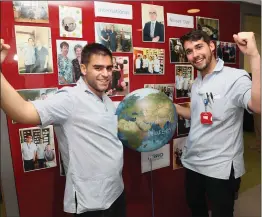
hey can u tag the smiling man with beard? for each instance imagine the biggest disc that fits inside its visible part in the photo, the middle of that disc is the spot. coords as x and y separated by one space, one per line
213 154
86 129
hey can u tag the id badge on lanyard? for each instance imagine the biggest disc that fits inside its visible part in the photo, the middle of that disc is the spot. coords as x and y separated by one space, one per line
206 117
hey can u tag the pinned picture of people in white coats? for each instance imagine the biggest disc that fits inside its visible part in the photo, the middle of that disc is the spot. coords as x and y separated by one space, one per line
184 75
149 61
37 148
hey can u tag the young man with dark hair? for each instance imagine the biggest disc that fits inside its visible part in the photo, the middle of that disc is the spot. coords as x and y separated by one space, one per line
213 154
86 128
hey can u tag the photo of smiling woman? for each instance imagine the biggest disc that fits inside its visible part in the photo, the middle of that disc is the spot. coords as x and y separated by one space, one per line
68 60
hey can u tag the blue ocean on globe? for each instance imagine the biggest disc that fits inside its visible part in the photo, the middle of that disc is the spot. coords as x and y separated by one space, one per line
147 120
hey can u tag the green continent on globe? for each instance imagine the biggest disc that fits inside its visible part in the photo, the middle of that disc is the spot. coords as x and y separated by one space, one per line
154 108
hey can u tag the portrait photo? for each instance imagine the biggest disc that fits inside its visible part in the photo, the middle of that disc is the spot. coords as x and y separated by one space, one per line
116 37
37 148
226 51
184 76
70 22
119 86
178 145
149 61
31 11
183 125
153 23
176 51
208 25
69 60
34 49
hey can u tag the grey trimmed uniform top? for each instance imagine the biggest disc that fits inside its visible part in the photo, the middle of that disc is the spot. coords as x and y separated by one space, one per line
86 129
212 149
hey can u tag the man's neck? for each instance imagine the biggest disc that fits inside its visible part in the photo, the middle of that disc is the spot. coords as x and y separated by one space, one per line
210 68
97 93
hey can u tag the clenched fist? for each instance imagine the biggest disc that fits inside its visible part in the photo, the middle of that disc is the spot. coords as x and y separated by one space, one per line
247 43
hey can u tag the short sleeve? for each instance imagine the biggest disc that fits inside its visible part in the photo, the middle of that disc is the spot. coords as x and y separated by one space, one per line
241 92
56 109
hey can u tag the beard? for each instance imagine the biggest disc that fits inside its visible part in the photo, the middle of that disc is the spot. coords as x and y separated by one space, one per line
207 59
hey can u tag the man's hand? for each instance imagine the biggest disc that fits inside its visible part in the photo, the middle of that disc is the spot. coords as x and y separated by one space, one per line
4 50
156 39
247 43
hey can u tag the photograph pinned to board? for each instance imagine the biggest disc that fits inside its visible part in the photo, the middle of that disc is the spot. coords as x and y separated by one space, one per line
178 145
184 77
149 86
176 51
37 148
116 37
226 51
68 60
167 89
153 23
183 125
36 94
119 85
70 22
209 25
34 50
31 11
149 61
160 158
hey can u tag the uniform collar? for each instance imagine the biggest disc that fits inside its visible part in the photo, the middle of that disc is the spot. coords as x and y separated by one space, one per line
82 84
218 68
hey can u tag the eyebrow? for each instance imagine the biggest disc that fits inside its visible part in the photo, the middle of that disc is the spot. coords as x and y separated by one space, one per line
194 46
102 66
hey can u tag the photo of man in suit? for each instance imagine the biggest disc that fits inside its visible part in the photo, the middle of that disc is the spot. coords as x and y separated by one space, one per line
153 30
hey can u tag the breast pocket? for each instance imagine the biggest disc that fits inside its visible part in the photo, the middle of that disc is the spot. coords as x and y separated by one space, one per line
108 123
219 108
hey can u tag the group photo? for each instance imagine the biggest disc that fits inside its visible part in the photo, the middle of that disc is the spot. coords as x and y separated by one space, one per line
184 76
37 148
116 37
34 49
149 61
31 11
226 51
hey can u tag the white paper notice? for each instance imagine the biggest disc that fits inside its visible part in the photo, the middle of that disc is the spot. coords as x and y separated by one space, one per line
106 9
178 20
160 158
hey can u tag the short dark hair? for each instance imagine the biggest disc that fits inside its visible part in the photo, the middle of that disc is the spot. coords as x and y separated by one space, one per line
64 44
195 35
94 48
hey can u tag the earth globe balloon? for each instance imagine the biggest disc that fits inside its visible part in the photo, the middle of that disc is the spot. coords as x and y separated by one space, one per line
147 120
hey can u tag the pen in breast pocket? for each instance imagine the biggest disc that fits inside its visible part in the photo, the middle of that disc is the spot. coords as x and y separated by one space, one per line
212 96
208 97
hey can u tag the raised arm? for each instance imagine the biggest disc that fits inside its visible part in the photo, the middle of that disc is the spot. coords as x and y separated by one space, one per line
247 44
183 111
12 103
